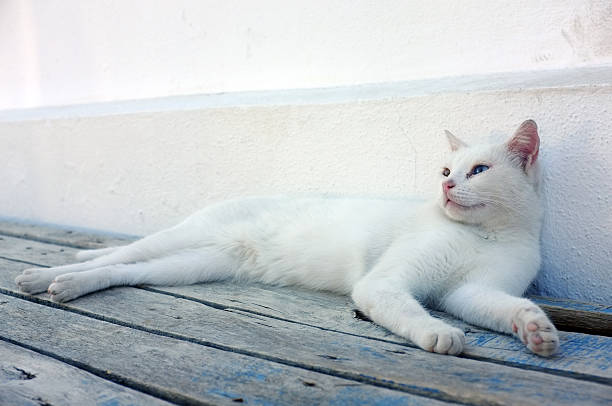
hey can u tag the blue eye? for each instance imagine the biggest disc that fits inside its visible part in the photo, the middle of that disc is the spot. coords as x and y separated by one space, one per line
479 168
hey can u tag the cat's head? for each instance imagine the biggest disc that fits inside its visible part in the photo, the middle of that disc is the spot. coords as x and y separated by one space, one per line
492 184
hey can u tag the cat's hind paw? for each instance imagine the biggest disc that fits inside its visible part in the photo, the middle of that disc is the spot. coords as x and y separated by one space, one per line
536 331
437 336
34 280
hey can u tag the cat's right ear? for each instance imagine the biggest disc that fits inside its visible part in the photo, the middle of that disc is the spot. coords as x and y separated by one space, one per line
454 142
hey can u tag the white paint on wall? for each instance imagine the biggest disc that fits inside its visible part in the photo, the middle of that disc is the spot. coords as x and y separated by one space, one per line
137 173
585 76
138 166
58 52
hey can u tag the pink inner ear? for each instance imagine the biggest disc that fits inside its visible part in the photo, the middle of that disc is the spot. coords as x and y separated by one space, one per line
526 143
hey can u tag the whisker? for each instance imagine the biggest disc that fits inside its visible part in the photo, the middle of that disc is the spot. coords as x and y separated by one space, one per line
490 198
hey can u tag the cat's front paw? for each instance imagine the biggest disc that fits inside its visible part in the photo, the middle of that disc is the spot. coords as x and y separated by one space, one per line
64 288
535 330
436 336
34 280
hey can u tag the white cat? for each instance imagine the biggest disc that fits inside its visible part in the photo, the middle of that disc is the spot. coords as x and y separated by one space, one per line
471 253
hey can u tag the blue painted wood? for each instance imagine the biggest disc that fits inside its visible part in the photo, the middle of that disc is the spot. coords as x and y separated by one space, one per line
333 312
572 304
339 354
177 370
28 378
164 355
577 316
580 355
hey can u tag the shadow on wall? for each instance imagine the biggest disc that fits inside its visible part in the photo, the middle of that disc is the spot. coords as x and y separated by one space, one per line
577 215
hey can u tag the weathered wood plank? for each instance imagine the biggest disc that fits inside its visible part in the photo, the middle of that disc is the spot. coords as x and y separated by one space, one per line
579 353
178 370
578 316
75 237
28 378
572 304
404 368
34 252
69 236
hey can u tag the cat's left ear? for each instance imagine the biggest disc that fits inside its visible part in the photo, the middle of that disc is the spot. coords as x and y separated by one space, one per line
525 144
454 142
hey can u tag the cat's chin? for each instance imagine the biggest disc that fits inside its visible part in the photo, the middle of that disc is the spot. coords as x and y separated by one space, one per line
452 205
458 211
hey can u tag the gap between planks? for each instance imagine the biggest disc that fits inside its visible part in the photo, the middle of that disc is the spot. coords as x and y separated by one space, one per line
438 391
423 393
598 321
113 320
172 375
576 375
172 397
30 378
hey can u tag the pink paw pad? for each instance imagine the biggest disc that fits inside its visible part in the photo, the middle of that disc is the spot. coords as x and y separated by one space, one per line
535 331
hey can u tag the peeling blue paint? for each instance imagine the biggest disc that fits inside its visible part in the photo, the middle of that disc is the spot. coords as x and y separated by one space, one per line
372 352
359 395
482 339
110 402
256 371
225 394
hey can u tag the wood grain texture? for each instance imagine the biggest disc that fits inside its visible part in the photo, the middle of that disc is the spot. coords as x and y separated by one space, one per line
567 314
583 354
353 357
580 353
572 304
261 308
578 316
177 370
28 378
72 237
34 252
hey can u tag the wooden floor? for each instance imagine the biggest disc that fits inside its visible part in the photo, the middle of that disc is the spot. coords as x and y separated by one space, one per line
227 344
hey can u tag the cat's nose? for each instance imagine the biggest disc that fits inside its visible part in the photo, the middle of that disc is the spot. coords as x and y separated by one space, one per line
449 184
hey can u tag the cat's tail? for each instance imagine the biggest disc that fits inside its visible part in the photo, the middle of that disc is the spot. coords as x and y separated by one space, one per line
86 255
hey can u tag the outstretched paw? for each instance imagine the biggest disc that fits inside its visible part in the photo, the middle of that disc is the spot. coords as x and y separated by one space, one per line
437 336
64 288
34 280
535 330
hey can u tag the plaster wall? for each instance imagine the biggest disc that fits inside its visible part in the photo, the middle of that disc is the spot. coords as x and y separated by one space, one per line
139 172
412 69
59 52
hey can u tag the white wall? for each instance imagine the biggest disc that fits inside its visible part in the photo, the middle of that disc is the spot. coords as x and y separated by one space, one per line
140 166
57 52
138 173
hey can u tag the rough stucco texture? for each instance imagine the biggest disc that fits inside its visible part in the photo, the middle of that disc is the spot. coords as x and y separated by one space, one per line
139 173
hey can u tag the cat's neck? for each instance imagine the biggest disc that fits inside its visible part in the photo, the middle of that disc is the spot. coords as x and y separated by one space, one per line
515 225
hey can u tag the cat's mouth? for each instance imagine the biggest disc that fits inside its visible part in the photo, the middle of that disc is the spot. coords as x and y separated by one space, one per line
451 203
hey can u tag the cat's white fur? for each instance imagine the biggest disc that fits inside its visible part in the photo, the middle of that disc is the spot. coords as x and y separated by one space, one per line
472 253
